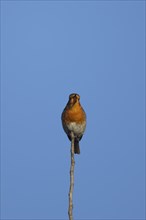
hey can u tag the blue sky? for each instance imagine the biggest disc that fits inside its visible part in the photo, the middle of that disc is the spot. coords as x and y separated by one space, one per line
50 49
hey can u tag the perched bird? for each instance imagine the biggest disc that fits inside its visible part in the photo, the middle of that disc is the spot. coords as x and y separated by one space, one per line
74 120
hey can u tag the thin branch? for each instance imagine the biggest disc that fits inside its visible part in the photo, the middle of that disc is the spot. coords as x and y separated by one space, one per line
70 208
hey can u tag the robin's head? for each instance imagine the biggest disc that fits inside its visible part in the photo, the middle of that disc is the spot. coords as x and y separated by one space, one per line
73 98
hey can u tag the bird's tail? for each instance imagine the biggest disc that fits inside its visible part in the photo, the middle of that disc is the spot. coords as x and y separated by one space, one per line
76 147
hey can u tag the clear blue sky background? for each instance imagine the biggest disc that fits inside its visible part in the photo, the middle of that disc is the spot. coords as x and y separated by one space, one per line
50 49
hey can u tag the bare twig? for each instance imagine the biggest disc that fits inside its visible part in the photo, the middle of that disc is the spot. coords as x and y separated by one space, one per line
70 208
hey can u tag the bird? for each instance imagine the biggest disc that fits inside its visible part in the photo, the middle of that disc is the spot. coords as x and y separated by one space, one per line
74 120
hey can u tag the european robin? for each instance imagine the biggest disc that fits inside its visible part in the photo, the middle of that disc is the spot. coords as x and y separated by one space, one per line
74 120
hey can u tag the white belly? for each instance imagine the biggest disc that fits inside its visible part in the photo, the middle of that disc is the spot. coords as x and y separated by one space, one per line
78 129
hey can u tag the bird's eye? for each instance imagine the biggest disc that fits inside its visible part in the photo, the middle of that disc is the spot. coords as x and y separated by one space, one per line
72 96
78 97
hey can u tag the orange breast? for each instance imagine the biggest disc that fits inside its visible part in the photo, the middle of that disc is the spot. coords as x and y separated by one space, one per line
75 114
